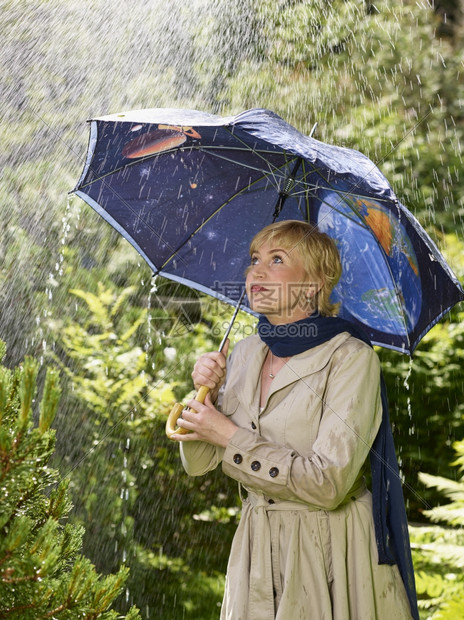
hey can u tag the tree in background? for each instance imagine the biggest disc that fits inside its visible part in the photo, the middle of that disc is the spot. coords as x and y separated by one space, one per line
376 76
42 571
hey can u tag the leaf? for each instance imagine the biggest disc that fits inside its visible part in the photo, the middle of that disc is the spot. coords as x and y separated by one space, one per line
452 513
96 306
121 299
451 488
131 331
451 609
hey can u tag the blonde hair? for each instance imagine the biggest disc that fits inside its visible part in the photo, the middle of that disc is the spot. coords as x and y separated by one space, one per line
318 252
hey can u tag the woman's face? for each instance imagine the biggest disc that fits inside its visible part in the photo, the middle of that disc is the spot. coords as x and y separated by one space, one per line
277 284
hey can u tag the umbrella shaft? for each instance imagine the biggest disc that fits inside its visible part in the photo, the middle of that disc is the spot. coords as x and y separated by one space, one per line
232 320
284 194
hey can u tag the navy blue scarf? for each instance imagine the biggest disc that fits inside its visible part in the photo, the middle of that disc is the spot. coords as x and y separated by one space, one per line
390 521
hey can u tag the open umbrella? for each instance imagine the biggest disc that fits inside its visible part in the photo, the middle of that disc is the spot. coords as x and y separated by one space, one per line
189 190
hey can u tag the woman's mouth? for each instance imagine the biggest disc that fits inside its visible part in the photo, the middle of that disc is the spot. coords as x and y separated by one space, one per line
257 288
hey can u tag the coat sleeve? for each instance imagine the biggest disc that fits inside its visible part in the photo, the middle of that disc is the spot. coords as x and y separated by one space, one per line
352 412
199 457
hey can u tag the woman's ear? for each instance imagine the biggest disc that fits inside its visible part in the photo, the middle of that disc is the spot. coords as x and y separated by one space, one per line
313 289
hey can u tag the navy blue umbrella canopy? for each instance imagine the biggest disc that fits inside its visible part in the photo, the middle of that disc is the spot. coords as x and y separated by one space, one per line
189 190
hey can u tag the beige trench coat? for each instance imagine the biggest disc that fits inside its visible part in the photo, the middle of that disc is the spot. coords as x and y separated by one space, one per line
305 546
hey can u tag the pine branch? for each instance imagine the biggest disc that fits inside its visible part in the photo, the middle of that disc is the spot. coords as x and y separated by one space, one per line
14 580
41 573
57 610
50 398
14 610
27 387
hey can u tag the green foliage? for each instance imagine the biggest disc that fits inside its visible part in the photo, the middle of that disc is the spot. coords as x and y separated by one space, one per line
119 402
42 572
108 370
452 513
439 552
126 366
437 556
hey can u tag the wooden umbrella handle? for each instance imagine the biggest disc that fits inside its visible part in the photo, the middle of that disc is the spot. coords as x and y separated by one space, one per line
176 412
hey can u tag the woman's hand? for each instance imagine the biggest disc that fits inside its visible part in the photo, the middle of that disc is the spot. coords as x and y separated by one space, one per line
205 423
210 370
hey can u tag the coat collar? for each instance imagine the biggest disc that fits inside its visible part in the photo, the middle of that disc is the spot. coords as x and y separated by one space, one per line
253 354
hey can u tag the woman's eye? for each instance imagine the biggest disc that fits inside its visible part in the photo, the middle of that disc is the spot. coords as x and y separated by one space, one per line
275 259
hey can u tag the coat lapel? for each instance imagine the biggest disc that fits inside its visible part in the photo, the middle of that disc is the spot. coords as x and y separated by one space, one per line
248 386
298 367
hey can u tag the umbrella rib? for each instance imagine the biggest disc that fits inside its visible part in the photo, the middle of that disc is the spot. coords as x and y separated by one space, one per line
316 170
258 151
294 155
335 191
360 223
285 192
342 195
275 168
272 168
213 151
306 195
200 148
301 180
292 158
215 212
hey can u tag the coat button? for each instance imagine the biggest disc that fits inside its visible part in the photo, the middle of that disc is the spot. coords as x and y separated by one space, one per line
270 501
255 465
238 459
273 472
253 426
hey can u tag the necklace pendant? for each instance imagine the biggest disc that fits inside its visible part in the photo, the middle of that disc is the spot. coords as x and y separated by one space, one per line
271 374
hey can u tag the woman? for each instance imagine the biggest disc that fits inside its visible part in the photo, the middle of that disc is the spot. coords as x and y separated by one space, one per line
294 424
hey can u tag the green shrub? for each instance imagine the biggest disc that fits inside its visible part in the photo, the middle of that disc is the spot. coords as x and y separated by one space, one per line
42 571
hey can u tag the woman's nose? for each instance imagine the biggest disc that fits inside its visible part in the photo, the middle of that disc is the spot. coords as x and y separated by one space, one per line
258 270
